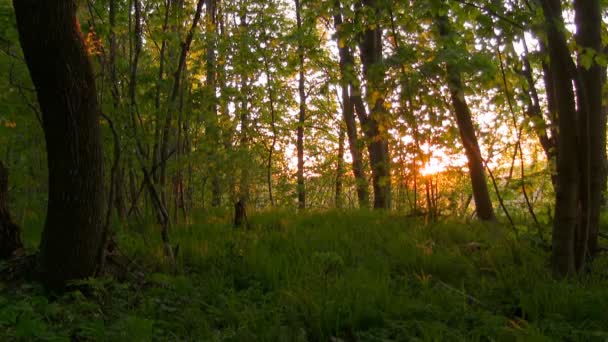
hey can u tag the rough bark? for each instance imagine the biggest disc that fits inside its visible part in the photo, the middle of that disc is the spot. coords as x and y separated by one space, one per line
56 56
10 233
481 194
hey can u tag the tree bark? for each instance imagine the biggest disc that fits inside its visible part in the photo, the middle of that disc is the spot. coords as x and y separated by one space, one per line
10 233
56 56
592 127
375 124
348 111
211 81
567 192
481 194
339 169
302 113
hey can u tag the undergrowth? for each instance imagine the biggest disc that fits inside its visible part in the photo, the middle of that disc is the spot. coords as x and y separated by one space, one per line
321 276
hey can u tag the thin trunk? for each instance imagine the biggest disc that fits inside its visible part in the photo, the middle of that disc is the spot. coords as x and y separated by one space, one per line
117 183
339 169
534 111
302 113
244 140
177 77
158 91
481 194
269 88
211 81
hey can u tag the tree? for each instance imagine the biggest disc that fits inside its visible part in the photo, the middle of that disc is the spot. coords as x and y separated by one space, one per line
302 109
10 233
374 123
581 145
348 82
60 69
481 194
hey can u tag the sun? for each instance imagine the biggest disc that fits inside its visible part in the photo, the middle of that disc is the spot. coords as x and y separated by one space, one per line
433 166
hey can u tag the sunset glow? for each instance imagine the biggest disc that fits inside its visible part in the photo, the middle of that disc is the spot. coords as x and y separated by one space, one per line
434 166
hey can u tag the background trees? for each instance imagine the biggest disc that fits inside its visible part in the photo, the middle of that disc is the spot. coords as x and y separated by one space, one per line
433 108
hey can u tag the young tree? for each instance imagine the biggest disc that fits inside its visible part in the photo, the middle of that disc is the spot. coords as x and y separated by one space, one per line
60 69
302 109
481 194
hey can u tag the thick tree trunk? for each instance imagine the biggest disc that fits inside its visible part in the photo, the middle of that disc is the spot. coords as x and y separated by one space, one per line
10 233
61 71
567 192
481 194
592 128
375 123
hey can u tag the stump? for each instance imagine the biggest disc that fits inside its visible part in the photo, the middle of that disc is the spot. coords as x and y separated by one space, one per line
10 233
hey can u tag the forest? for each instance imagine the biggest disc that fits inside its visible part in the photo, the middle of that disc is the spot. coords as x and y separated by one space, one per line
303 170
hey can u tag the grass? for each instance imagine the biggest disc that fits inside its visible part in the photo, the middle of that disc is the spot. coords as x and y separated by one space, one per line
323 276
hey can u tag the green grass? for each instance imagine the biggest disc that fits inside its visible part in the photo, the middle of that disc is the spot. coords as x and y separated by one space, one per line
353 275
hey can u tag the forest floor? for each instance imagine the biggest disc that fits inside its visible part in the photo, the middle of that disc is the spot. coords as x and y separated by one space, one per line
321 276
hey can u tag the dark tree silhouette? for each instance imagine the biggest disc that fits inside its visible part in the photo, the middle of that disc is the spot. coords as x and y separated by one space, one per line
60 69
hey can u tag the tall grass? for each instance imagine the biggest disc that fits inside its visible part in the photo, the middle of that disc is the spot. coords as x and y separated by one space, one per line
341 275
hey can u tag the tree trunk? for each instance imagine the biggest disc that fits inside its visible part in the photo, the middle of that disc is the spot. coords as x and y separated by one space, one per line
271 103
339 169
534 112
348 111
567 192
302 113
481 194
592 128
10 233
62 74
244 138
173 98
158 90
211 81
375 124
